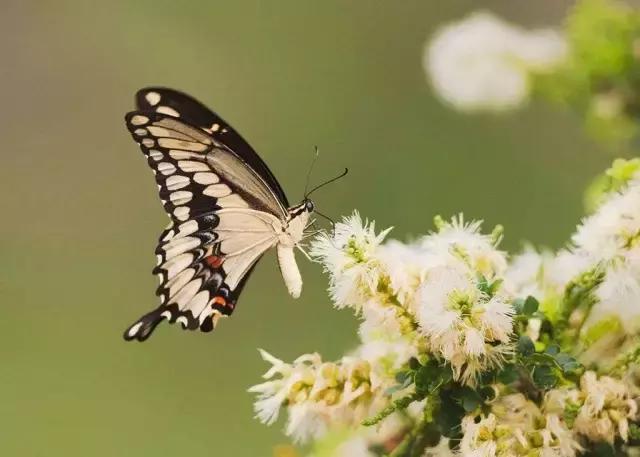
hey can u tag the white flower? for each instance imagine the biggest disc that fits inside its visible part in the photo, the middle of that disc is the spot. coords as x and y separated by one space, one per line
603 407
606 409
405 266
272 394
349 257
524 274
564 267
459 241
317 394
482 62
619 294
614 229
463 325
516 426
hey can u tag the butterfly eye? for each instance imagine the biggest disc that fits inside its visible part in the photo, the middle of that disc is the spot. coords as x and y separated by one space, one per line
310 206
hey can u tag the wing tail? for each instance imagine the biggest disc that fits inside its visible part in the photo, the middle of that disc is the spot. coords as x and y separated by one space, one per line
143 328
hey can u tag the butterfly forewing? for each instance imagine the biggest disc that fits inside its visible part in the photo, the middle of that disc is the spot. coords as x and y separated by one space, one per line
191 111
224 216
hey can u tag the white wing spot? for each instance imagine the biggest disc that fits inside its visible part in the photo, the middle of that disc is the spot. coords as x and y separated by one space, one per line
177 154
181 197
191 166
155 154
166 168
187 228
176 182
167 110
217 190
133 330
139 120
153 98
181 212
140 132
205 178
148 142
215 127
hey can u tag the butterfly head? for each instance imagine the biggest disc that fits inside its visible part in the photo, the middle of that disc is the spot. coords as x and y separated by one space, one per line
297 222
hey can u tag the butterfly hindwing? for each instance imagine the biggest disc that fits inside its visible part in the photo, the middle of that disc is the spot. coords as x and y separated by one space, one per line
222 221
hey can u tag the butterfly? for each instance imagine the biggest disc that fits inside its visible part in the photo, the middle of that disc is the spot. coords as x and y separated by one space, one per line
226 209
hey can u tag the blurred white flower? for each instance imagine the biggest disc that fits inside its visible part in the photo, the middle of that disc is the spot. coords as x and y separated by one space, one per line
614 228
484 63
464 326
618 295
524 276
611 239
349 258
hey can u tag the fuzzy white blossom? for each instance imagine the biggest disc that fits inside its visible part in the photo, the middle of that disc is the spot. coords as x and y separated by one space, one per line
516 426
484 63
457 241
601 407
462 324
317 394
437 313
349 258
611 239
614 228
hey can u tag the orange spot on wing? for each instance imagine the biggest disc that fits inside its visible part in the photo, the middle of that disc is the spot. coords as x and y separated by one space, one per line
214 261
218 300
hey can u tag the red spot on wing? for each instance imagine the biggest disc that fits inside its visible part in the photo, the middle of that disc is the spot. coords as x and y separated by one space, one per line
214 261
218 300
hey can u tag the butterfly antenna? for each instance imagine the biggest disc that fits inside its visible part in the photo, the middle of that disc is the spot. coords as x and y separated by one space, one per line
313 162
341 175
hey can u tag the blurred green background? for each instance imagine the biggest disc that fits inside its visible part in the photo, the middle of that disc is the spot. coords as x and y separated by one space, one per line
81 215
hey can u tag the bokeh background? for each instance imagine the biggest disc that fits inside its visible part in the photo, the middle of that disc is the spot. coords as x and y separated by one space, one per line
80 215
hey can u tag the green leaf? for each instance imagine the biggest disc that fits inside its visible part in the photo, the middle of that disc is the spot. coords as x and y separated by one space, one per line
601 450
426 377
508 374
449 415
567 363
553 349
541 357
470 400
544 377
530 306
414 363
525 346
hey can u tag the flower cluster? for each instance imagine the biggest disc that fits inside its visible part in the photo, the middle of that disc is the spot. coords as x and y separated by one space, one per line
318 394
465 351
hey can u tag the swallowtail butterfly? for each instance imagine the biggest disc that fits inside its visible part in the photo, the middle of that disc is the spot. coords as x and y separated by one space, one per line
226 210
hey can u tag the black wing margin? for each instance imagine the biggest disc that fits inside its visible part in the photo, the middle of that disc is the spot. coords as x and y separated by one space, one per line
178 104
